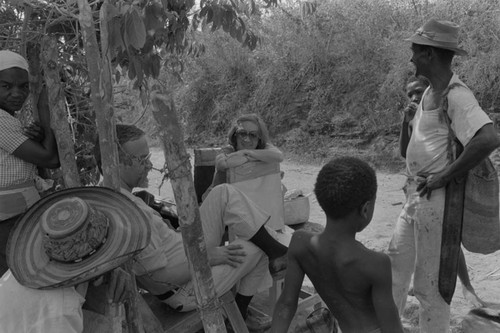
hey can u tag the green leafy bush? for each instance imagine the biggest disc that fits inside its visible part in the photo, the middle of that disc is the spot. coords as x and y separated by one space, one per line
333 67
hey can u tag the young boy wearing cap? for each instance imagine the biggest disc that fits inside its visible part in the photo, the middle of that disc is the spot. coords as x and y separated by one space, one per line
61 243
21 150
353 281
416 243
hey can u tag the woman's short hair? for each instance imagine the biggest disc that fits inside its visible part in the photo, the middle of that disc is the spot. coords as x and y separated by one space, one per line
257 120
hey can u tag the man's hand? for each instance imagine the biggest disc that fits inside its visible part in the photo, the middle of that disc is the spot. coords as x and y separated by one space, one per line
34 132
429 182
409 112
231 255
119 284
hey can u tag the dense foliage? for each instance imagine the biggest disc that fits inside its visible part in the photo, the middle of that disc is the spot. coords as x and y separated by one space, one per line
331 76
327 76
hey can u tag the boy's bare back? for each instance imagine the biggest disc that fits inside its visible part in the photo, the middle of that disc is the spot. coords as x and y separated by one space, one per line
344 273
354 282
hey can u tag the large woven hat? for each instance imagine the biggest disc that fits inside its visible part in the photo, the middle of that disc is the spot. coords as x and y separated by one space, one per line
440 34
74 235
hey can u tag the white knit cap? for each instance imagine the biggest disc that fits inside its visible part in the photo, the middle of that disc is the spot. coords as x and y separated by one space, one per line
9 59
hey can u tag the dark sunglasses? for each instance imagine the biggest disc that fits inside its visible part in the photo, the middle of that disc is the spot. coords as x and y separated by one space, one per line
241 133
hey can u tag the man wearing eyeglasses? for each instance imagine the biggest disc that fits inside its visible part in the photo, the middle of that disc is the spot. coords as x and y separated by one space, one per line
162 268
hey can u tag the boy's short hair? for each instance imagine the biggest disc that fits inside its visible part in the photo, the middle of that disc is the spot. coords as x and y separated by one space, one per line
343 185
124 134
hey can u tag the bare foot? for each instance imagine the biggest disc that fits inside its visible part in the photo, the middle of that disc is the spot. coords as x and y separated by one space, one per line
471 297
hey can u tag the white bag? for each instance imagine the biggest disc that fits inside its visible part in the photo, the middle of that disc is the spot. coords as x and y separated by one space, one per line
297 207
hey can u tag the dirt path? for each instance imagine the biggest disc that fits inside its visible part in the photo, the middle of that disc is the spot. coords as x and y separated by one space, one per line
484 270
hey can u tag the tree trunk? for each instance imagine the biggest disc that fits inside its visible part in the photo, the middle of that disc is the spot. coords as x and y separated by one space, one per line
31 51
179 169
59 115
101 96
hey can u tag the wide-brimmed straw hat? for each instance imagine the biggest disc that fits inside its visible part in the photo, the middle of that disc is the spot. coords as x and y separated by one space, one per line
440 34
75 235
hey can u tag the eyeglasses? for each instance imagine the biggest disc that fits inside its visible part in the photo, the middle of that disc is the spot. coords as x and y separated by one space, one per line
242 134
142 160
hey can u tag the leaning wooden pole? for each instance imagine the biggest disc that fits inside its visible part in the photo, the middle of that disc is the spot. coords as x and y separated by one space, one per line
101 96
179 171
59 115
136 308
101 99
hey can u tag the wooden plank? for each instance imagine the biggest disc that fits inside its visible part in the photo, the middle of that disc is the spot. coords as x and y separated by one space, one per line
233 313
205 156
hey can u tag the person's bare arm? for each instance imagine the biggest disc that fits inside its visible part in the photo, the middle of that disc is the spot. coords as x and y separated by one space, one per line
229 158
480 146
270 154
406 127
232 160
44 153
383 301
286 306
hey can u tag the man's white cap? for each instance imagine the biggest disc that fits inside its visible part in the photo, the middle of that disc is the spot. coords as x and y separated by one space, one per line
9 59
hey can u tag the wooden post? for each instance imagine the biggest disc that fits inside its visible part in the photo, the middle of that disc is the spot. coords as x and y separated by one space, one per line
179 168
102 100
101 96
59 115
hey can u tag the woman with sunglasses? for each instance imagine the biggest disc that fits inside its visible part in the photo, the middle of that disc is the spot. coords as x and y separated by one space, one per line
248 141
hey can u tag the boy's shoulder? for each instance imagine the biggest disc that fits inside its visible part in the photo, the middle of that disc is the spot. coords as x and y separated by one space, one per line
302 235
373 262
300 240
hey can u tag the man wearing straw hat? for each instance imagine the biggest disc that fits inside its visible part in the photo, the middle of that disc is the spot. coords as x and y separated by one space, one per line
416 243
21 149
162 268
63 241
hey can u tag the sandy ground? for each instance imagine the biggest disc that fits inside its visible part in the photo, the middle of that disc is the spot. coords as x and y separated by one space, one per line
484 270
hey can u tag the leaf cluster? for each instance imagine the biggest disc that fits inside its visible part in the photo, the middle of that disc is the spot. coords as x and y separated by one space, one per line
334 69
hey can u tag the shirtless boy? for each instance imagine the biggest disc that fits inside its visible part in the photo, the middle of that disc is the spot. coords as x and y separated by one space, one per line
354 282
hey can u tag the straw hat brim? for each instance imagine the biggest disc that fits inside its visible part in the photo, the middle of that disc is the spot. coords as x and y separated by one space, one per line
417 39
128 233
